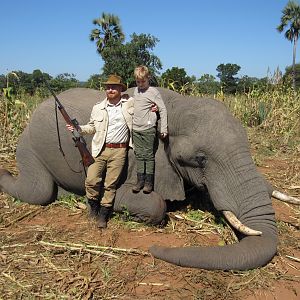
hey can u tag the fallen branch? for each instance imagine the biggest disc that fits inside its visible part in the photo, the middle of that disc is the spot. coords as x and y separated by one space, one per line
293 258
153 284
14 245
294 187
15 281
75 247
93 248
33 213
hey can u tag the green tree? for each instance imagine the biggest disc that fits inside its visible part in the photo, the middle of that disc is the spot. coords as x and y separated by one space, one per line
246 84
63 82
290 19
109 29
2 82
22 82
123 58
226 73
38 78
176 78
208 84
95 81
292 72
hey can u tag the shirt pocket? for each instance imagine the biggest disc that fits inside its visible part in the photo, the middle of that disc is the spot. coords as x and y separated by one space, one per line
99 122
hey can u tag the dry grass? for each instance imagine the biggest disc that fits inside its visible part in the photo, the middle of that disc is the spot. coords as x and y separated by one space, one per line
54 253
14 116
42 261
274 113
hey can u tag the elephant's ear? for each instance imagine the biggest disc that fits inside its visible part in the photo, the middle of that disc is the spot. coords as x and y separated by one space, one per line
168 182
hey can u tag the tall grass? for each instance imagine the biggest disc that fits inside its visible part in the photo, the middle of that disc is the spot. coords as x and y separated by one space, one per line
274 112
15 112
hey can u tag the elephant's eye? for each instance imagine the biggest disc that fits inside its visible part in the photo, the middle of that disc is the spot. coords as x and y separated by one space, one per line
197 161
201 160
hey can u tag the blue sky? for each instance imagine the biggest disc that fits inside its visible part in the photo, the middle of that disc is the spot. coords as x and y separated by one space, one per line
197 35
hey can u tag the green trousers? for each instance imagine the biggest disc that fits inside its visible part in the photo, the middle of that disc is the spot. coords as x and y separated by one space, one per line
144 149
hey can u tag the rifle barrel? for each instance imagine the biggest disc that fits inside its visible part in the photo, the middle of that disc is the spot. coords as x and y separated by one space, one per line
87 158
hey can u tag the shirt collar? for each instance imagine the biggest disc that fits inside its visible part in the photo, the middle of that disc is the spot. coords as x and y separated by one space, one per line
122 100
111 105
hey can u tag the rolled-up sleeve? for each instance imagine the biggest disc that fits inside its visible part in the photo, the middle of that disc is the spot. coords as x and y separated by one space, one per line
89 128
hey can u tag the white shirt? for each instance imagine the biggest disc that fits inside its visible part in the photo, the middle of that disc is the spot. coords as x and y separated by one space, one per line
117 131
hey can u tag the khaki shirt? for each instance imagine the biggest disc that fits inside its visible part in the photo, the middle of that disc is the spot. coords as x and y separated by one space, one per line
98 123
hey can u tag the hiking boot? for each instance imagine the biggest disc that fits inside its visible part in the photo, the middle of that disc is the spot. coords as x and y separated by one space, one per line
93 207
148 187
139 183
103 217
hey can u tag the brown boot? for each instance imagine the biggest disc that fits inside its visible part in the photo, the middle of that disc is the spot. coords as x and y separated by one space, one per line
148 187
139 183
103 217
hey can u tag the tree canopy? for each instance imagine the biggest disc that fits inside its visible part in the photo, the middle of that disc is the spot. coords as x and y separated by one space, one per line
123 58
22 82
290 19
176 78
290 71
108 29
226 73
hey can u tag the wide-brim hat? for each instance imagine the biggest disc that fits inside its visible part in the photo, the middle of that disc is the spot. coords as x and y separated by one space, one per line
116 80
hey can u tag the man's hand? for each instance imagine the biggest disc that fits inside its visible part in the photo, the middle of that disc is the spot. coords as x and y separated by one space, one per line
70 127
154 107
125 96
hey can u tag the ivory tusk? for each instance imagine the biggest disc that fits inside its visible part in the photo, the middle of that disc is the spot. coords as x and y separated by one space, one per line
283 197
238 225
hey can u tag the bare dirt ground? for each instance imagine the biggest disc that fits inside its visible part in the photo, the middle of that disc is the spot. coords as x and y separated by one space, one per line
55 252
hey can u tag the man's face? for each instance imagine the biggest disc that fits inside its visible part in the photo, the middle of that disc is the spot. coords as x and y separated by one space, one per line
142 83
113 92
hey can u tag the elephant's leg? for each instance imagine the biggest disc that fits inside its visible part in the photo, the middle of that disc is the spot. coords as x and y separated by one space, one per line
33 185
149 208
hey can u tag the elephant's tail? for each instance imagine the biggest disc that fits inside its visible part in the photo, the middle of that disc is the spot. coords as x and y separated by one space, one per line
251 252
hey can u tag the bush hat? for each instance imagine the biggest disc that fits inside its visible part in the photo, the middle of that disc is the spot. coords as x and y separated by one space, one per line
116 80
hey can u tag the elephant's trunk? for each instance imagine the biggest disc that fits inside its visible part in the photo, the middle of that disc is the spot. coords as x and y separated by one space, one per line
29 189
252 252
7 182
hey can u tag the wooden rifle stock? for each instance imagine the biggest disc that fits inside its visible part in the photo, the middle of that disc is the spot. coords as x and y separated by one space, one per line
87 158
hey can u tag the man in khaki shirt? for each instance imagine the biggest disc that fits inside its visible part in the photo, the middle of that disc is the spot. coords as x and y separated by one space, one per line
111 125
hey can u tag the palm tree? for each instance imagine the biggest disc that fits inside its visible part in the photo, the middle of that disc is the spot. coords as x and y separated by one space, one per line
110 30
291 18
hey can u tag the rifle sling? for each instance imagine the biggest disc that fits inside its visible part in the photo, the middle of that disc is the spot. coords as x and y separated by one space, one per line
60 147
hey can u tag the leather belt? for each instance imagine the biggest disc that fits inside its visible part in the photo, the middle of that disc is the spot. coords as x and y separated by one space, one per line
116 145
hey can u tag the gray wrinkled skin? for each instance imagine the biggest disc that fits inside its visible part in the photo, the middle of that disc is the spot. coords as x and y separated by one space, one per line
207 149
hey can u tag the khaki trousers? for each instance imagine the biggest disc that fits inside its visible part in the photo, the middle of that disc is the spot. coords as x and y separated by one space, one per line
105 171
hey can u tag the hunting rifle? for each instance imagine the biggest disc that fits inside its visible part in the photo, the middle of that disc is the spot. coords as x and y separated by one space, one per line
87 158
